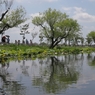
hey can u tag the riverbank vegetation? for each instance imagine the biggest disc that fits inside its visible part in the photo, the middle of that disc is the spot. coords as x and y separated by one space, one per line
13 50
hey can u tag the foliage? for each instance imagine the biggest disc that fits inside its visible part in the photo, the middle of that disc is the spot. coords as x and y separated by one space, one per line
91 37
12 50
24 31
55 26
89 49
89 40
13 19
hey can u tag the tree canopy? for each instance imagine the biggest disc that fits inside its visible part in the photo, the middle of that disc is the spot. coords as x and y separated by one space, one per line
91 35
13 19
55 26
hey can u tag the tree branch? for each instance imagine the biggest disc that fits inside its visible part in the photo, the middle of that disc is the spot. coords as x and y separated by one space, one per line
45 30
3 14
6 26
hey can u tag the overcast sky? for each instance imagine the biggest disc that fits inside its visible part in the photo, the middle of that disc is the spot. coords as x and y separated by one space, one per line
81 10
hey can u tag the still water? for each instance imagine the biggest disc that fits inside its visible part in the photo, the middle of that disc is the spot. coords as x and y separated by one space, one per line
56 75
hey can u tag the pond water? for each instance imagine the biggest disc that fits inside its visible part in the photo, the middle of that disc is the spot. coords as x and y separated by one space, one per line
55 75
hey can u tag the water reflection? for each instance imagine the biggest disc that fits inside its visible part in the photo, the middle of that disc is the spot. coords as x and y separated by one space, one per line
24 68
52 75
7 84
91 59
57 75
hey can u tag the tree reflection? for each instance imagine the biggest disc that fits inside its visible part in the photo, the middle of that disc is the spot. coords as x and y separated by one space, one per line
7 84
52 74
59 74
24 68
91 59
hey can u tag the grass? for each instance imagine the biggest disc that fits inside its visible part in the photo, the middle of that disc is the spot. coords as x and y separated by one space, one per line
13 50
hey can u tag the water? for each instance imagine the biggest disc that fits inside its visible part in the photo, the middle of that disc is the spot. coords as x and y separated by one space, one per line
59 75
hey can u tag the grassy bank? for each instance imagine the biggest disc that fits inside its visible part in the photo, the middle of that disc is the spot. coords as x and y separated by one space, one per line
39 51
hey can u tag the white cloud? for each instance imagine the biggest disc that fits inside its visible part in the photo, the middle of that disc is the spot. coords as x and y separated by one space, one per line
79 14
78 9
67 8
82 16
35 14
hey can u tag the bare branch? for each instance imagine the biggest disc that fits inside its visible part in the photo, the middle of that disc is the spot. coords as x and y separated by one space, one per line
8 4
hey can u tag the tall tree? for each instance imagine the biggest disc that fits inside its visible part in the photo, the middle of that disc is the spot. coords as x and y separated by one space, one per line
5 6
81 40
73 38
13 19
88 40
24 31
92 35
55 26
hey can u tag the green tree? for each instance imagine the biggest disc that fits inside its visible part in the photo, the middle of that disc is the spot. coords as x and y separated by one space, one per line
24 31
55 26
81 40
92 35
88 40
13 19
73 38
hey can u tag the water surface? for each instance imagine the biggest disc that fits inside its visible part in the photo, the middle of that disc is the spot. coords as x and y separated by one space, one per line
56 75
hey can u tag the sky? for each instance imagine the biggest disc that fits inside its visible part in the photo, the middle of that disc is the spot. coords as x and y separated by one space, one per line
81 10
